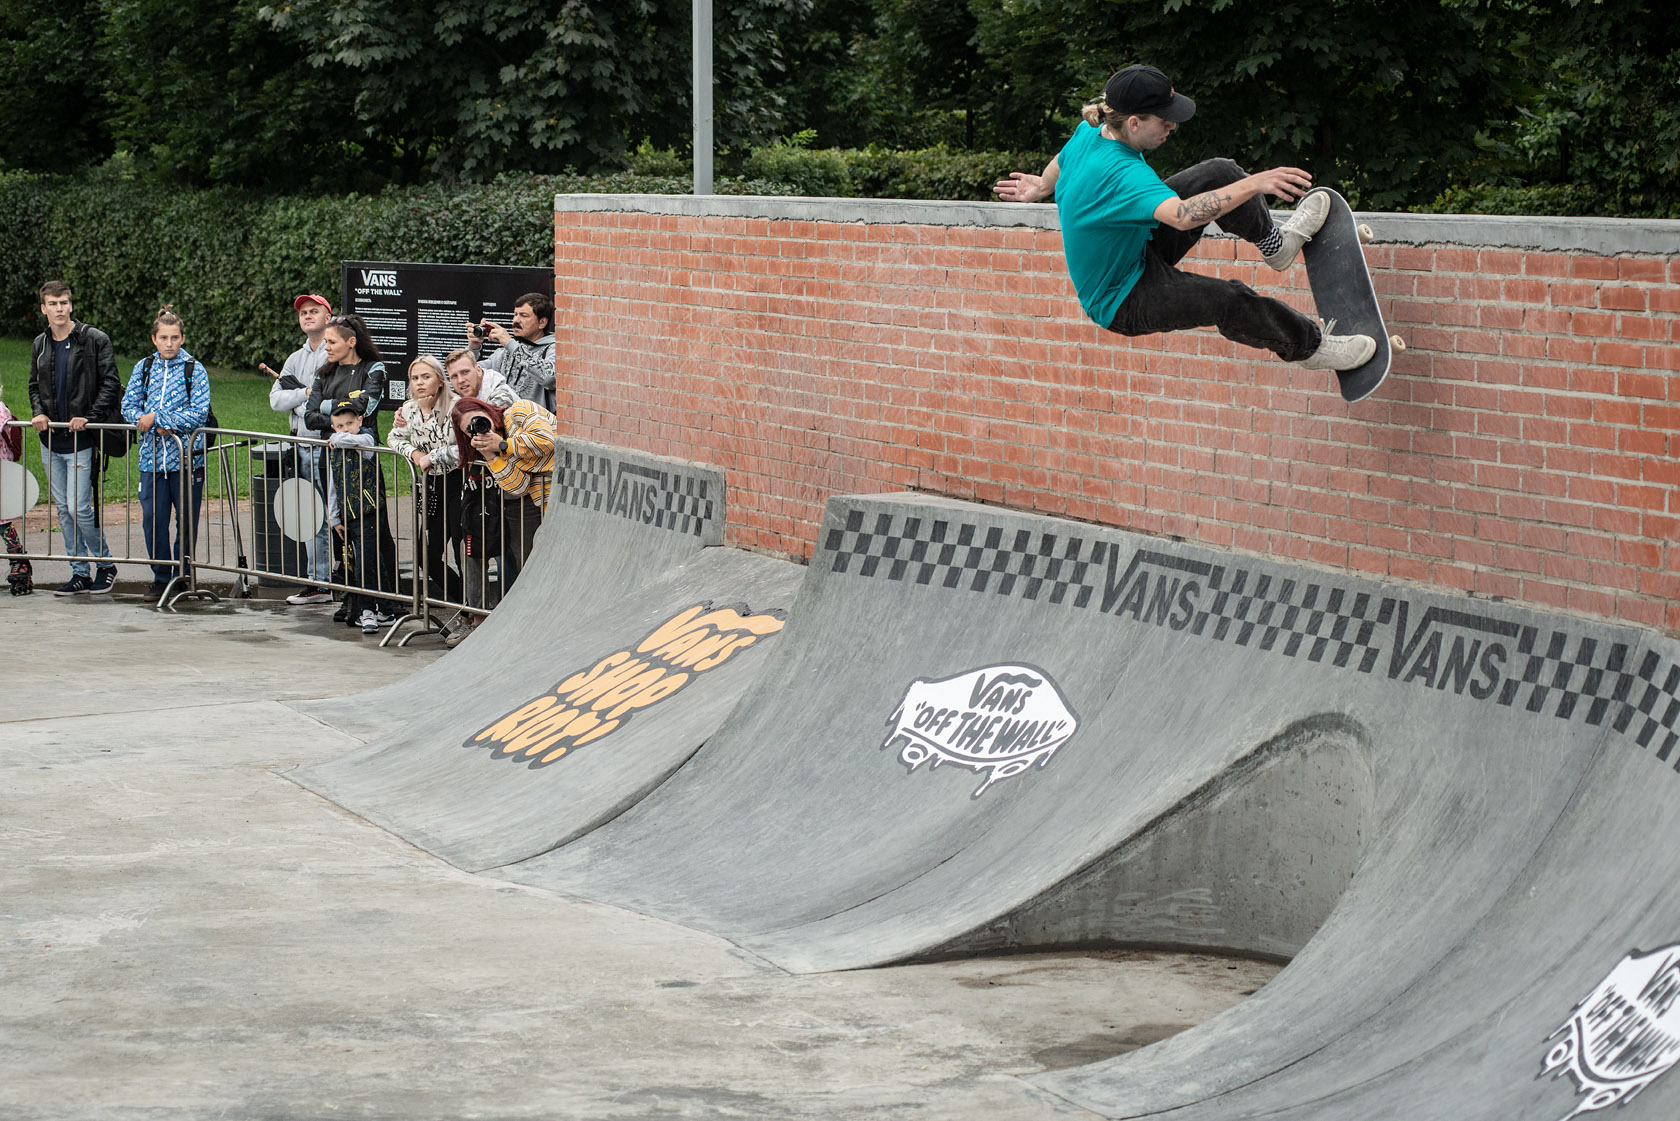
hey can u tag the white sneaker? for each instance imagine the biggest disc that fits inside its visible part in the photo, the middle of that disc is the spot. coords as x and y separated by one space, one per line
1308 218
1340 352
310 595
370 622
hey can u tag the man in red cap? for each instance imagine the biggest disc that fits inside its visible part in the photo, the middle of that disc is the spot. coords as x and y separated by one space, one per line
1124 229
288 394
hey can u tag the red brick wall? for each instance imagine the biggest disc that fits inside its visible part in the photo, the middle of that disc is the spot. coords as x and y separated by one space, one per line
1525 445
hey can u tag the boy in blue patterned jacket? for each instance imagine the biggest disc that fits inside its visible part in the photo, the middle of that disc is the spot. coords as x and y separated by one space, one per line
168 395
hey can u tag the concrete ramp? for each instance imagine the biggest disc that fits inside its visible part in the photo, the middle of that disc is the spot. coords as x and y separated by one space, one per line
526 749
970 707
984 730
616 520
1509 947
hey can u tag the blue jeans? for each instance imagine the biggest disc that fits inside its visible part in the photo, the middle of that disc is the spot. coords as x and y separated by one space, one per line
71 476
160 493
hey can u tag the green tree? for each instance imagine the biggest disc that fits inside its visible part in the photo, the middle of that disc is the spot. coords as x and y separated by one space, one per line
1382 98
52 115
1606 111
520 85
204 92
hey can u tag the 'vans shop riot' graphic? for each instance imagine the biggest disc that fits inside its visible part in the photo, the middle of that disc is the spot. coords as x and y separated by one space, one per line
998 721
1625 1035
594 701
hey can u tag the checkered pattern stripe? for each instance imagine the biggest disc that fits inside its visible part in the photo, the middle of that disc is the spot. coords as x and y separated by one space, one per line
1291 616
1593 680
603 484
959 555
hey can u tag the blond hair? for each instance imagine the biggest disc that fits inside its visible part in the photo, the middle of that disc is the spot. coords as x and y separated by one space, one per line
446 393
1098 113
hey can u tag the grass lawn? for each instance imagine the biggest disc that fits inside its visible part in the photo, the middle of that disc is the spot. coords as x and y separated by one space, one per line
240 398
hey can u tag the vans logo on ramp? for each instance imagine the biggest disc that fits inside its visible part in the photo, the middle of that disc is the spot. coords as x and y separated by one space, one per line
1624 1035
634 491
597 699
997 721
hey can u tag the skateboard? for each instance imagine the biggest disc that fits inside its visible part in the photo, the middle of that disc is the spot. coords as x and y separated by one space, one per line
1342 291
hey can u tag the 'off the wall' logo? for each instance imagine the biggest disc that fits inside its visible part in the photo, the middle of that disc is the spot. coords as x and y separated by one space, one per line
996 721
1625 1035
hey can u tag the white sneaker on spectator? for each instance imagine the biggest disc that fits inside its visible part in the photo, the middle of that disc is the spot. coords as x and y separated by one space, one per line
310 595
370 622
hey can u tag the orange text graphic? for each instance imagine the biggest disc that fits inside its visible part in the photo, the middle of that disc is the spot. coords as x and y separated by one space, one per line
592 702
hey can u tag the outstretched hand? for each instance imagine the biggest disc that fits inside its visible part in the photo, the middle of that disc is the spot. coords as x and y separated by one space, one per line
1286 182
1021 186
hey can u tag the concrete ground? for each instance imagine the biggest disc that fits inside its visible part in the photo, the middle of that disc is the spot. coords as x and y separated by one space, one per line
186 934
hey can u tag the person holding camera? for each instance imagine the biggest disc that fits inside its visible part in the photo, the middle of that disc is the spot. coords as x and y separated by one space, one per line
516 446
290 394
526 357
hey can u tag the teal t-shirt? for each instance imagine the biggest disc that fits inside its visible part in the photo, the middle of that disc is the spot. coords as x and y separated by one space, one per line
1106 195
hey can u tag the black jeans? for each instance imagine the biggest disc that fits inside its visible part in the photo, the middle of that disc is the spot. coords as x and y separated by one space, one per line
441 515
1166 299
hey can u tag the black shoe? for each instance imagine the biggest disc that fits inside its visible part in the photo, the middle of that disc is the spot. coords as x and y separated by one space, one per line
75 586
153 592
104 579
342 615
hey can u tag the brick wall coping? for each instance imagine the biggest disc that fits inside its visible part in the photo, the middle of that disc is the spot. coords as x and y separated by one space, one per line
1605 237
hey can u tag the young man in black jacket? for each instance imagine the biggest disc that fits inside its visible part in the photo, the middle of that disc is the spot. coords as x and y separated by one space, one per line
73 380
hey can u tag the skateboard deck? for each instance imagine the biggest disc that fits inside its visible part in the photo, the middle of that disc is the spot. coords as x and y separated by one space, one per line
1342 291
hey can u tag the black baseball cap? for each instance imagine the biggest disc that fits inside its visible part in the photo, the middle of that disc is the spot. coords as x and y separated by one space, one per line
1144 89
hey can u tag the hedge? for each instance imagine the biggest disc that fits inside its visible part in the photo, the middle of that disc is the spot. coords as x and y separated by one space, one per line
231 261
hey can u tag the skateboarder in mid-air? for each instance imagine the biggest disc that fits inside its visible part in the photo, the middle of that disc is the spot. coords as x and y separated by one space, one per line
1124 229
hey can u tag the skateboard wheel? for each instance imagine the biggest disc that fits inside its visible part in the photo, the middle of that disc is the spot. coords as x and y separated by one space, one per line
1396 342
1365 234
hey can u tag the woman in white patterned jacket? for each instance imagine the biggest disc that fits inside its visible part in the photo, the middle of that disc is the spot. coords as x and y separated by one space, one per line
423 433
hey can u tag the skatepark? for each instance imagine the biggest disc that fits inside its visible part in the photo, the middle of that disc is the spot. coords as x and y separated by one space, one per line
979 718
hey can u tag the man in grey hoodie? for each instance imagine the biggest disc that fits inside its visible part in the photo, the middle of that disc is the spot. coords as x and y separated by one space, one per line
289 394
527 355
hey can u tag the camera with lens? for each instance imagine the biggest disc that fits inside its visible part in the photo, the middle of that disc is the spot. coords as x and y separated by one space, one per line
479 330
478 426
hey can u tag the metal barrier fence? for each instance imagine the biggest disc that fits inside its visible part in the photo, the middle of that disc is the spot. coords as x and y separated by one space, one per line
422 552
73 487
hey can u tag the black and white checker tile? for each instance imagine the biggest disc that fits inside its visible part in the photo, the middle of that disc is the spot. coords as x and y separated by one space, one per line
960 555
1291 617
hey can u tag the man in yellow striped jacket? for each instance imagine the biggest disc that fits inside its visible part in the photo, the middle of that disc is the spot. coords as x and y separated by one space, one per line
516 445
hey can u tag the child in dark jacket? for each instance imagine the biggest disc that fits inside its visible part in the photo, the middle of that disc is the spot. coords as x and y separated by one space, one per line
356 512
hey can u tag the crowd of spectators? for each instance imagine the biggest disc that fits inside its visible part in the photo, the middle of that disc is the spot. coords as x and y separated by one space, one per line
480 437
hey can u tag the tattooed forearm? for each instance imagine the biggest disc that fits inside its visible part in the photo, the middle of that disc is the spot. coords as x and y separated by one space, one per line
1204 207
